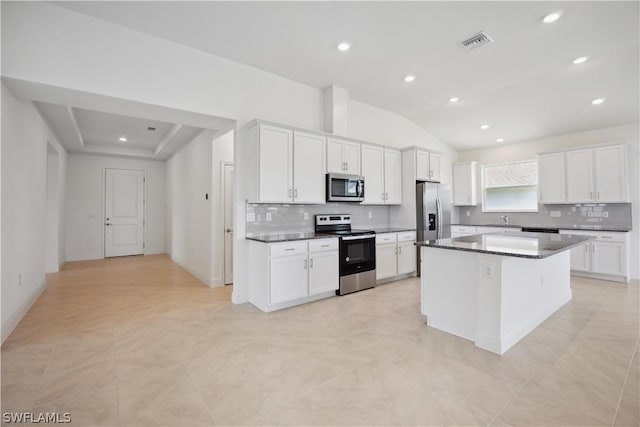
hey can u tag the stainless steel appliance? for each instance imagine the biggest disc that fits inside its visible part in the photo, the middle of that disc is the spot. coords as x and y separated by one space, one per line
344 188
433 202
357 252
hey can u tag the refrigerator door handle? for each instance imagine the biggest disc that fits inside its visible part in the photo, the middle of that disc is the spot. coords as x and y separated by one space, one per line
437 218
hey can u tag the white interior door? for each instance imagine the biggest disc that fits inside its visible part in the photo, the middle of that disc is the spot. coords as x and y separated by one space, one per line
228 224
124 212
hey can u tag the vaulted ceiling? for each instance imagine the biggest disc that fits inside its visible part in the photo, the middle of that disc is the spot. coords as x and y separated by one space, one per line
523 84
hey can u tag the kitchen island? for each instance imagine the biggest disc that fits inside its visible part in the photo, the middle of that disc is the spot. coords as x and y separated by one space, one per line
495 288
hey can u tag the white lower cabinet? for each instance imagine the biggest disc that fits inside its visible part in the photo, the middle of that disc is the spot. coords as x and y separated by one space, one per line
291 273
407 257
288 278
324 272
395 254
386 263
605 257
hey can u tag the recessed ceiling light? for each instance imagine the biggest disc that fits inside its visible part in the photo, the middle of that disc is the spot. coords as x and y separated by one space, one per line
454 99
597 101
485 127
580 60
409 78
122 139
552 17
344 46
500 140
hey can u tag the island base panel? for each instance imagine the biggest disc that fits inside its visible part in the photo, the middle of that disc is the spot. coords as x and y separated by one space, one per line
492 300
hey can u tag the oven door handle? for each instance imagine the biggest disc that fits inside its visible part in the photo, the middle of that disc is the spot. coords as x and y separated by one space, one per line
367 236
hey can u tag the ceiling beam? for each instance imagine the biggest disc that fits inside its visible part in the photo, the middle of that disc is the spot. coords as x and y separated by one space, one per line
172 132
76 128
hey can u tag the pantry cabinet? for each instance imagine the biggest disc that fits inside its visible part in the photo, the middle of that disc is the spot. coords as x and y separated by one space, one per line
551 178
464 184
343 156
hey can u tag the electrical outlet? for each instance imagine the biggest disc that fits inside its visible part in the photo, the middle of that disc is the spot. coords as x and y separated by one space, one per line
370 214
555 214
268 216
251 217
468 213
487 271
306 216
605 214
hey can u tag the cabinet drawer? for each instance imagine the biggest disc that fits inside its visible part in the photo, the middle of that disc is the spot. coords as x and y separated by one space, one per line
407 236
322 245
288 248
385 238
463 229
599 235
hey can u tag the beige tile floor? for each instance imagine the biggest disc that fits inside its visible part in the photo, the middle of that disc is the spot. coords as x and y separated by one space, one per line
140 342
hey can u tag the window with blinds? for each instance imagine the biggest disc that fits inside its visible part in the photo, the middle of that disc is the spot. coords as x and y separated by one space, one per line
510 187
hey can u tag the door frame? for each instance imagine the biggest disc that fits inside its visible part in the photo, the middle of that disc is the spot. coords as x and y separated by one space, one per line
223 164
104 208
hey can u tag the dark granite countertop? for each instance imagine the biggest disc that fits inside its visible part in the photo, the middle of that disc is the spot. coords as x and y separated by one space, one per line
392 230
511 243
288 237
549 227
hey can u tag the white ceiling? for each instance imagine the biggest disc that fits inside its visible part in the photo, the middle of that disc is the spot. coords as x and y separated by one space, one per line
523 84
87 131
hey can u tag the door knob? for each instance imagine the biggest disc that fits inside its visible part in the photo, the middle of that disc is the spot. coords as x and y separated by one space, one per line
107 223
229 230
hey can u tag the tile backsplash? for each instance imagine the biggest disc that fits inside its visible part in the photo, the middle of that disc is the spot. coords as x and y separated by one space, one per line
278 218
617 215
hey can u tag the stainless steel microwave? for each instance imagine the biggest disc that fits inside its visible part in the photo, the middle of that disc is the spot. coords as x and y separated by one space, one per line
345 188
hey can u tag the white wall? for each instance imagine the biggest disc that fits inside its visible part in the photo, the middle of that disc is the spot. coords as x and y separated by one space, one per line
81 58
222 152
528 150
85 204
189 214
24 210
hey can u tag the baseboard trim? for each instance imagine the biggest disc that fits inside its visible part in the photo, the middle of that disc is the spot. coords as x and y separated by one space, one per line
52 268
195 274
12 322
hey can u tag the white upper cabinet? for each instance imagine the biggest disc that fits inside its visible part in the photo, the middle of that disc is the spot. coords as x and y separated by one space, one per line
611 174
275 179
392 177
308 168
597 175
434 167
551 178
464 184
580 176
343 157
427 166
373 172
422 165
382 171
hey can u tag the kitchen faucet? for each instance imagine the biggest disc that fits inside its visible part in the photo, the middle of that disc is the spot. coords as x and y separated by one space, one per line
505 218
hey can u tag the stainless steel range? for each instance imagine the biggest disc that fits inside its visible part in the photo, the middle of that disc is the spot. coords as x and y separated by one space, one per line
357 252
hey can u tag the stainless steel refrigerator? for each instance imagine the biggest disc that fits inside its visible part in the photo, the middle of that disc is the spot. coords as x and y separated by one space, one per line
433 203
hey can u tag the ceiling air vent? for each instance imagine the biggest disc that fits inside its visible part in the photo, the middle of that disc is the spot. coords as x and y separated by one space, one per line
477 40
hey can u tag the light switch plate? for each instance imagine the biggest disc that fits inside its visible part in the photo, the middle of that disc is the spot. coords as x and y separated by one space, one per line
306 216
468 213
268 216
370 214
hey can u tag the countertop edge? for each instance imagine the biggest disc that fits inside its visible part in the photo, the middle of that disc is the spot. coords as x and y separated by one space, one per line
606 230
